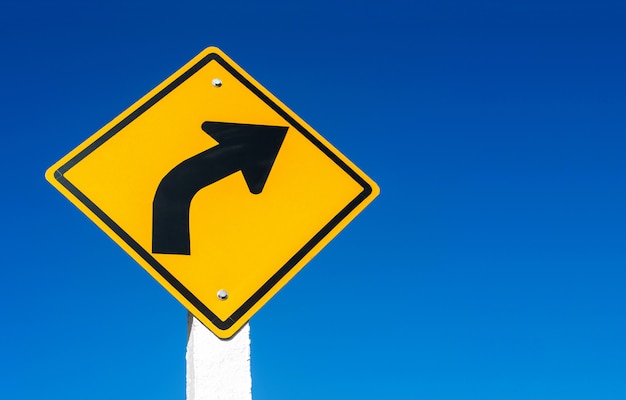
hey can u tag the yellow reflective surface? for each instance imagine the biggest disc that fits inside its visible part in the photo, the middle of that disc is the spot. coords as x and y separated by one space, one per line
239 241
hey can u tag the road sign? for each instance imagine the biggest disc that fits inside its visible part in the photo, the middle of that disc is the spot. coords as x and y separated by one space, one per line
215 187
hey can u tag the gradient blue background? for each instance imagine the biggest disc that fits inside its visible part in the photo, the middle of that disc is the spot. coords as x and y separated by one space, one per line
491 266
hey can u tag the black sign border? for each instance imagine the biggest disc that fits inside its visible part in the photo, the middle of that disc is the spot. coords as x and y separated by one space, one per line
59 175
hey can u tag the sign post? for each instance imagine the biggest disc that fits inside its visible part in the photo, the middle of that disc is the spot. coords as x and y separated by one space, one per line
218 369
220 192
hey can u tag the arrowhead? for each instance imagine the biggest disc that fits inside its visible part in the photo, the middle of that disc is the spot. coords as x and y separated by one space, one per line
256 147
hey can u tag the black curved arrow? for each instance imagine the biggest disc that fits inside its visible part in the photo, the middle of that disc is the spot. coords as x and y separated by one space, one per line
250 149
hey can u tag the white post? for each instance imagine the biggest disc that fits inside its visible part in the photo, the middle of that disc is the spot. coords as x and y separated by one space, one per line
218 369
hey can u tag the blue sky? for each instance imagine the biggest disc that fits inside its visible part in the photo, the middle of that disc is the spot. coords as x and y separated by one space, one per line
490 267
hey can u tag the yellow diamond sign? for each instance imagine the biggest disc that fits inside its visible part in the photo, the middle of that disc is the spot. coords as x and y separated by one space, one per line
216 188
